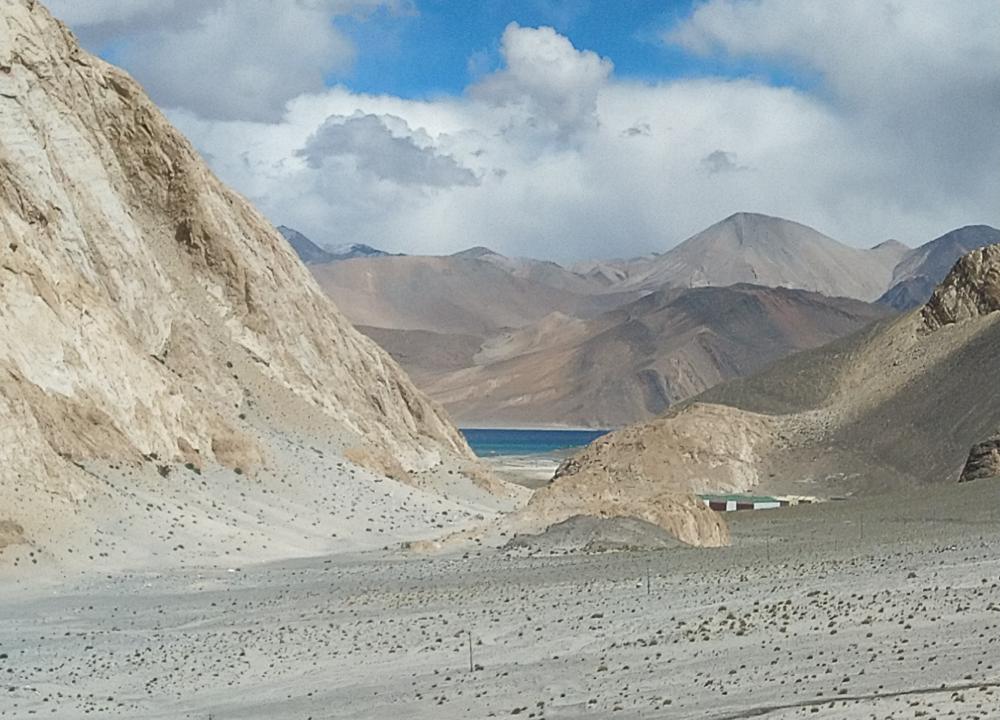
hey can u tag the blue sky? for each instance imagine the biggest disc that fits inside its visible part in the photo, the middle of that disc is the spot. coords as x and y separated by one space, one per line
446 44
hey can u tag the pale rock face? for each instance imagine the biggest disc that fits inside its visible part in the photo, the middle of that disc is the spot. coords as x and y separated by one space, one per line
970 290
132 281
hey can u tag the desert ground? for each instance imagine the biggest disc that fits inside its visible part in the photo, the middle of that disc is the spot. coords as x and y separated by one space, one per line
530 471
881 608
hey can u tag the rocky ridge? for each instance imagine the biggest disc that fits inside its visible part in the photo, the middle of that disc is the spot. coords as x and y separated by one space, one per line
631 363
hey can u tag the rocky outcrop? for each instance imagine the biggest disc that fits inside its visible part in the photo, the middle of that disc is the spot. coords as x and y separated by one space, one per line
651 472
984 460
138 295
721 447
970 290
682 515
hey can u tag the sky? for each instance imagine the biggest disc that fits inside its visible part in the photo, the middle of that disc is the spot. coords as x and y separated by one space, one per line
578 129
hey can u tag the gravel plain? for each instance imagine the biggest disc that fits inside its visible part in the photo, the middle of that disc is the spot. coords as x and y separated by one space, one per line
882 608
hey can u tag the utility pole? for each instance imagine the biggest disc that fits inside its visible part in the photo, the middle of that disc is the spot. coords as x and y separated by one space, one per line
471 666
649 587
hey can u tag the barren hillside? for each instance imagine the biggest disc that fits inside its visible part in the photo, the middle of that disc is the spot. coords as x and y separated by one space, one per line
472 293
634 362
157 333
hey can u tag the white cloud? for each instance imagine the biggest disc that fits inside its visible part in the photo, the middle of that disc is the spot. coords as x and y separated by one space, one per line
917 80
223 59
91 16
553 155
549 87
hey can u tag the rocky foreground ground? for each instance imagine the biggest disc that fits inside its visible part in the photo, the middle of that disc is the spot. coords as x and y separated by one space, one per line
887 608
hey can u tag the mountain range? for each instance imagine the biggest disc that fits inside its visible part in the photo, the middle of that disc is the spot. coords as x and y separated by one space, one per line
637 360
909 401
521 342
468 293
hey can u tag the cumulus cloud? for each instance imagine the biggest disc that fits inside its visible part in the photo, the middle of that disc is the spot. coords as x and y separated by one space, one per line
375 149
549 87
223 59
553 155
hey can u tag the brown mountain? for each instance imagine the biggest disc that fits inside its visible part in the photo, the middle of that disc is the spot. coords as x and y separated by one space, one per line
764 250
476 292
169 368
896 405
631 363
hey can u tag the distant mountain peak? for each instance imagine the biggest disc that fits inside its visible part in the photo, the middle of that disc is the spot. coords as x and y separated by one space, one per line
890 244
751 228
477 251
308 251
354 250
773 251
311 254
745 215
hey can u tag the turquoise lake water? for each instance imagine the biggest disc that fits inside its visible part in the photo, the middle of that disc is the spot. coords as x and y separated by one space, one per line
487 443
